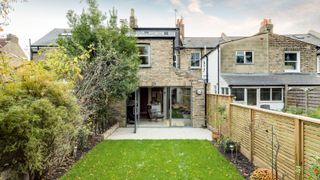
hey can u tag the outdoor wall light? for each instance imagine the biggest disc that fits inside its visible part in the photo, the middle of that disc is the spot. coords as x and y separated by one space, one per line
231 146
199 92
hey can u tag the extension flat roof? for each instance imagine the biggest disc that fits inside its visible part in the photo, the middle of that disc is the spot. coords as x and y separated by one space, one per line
297 79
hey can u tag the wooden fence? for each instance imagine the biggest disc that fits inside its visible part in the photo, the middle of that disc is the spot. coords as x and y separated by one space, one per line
304 98
254 128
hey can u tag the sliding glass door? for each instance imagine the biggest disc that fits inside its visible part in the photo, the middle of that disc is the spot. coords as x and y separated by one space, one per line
180 111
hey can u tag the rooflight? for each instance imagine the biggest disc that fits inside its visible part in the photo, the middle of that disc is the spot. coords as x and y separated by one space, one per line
66 34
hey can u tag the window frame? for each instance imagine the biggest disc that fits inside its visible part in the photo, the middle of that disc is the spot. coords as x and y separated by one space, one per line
245 59
297 70
271 95
244 94
148 55
195 67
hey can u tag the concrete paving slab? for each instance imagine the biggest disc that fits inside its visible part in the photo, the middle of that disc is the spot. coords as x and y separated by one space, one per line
161 133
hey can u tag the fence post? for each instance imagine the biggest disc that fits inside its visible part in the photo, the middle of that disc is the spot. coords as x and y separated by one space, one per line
252 124
298 153
215 110
229 117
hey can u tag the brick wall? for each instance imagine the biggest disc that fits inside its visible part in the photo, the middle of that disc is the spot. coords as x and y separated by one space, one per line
269 52
257 44
163 74
278 44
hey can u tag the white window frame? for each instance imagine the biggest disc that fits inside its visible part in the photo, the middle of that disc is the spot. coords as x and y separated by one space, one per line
318 64
148 55
271 89
244 61
298 62
195 67
244 95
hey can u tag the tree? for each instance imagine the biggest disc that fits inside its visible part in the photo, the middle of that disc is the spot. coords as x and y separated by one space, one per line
5 9
39 119
110 72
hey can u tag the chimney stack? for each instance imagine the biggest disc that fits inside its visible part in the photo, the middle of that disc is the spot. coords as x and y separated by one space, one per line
266 26
12 38
180 25
133 22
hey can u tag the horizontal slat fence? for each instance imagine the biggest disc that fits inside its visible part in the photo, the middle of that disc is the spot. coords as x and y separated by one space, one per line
304 98
254 128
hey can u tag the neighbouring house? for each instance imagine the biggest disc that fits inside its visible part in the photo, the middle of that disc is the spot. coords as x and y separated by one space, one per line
47 41
171 92
9 45
260 69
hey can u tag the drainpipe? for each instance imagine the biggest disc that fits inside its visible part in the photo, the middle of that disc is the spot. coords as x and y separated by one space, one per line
205 92
218 69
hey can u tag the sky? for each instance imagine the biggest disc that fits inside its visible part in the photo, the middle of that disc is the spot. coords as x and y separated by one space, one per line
203 18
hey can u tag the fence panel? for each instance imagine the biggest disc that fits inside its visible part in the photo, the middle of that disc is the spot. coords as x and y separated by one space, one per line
259 131
311 145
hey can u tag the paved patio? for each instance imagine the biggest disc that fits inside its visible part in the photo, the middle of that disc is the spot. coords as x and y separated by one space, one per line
161 133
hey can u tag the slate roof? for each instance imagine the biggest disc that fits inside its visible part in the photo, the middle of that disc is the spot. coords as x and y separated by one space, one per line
271 79
188 42
308 38
196 42
200 42
51 37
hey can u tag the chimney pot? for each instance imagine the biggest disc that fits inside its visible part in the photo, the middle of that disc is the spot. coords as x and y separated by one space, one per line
266 26
133 22
180 25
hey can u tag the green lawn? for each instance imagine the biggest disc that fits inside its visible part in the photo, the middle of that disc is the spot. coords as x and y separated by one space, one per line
153 159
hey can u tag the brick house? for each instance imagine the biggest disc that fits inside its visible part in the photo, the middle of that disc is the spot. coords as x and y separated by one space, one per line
9 46
171 91
260 69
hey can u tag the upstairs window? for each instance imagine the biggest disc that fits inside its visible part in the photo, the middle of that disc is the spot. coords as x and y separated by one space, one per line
244 57
144 54
292 61
195 60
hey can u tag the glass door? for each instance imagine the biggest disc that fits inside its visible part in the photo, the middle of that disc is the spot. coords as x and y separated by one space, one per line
251 97
136 109
180 111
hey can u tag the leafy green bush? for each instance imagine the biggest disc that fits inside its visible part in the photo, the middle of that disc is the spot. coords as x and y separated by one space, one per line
295 110
110 71
314 113
39 120
314 172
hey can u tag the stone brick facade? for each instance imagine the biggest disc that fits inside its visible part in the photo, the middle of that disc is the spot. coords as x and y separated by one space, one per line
161 73
185 62
258 44
278 44
269 54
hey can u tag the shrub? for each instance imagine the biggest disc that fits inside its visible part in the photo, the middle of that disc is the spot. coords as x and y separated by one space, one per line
39 118
315 169
295 110
262 173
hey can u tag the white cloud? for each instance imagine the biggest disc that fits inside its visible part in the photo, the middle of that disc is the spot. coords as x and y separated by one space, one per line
194 6
175 2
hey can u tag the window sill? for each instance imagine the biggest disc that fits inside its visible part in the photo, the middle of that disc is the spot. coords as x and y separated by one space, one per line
146 66
275 101
244 63
288 71
195 68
